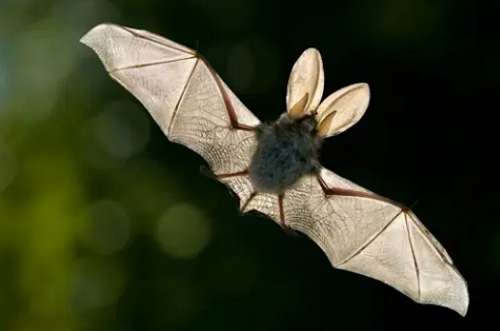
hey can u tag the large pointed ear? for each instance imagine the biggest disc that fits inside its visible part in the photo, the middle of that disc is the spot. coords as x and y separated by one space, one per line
342 109
305 85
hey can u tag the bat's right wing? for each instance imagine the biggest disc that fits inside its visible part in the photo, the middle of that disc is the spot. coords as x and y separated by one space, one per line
367 234
182 92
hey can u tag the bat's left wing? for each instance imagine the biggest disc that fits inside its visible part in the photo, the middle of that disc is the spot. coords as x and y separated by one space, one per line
365 233
184 95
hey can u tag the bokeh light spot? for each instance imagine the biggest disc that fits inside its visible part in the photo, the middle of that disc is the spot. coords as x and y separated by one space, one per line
98 283
110 227
183 231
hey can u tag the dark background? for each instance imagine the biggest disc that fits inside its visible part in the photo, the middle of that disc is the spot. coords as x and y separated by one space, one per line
105 225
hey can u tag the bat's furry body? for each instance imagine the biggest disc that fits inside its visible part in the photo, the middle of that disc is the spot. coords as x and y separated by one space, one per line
287 149
273 168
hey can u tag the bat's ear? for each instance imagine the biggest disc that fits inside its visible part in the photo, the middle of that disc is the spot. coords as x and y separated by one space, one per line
305 85
342 109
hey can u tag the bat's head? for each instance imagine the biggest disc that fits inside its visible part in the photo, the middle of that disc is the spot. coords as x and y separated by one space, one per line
336 113
287 149
305 123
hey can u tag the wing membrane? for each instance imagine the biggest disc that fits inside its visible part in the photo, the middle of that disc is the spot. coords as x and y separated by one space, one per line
183 94
358 230
364 233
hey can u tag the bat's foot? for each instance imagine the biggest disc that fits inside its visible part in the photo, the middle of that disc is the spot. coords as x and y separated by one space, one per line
254 213
289 231
205 170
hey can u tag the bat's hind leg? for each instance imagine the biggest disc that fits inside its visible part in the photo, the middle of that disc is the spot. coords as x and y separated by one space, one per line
250 197
232 174
205 170
281 213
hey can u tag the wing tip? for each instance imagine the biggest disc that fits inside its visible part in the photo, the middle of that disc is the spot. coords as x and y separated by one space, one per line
87 38
457 296
459 307
463 305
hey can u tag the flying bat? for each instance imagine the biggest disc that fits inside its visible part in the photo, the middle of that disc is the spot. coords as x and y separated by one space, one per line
273 168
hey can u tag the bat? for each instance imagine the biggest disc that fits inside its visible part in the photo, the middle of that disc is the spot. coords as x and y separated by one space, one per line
273 168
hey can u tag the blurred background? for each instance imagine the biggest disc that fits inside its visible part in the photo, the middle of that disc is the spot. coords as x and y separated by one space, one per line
105 225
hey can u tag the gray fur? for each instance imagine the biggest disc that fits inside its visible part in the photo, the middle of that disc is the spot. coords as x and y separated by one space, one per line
287 149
